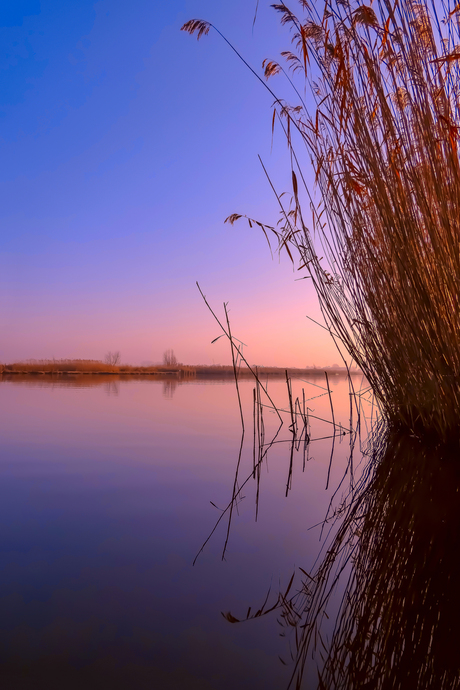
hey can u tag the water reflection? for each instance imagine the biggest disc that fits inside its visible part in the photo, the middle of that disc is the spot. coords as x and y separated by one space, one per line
104 502
169 388
107 493
112 388
398 622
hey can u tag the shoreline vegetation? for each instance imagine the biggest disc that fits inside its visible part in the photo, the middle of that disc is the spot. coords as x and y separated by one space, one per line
64 367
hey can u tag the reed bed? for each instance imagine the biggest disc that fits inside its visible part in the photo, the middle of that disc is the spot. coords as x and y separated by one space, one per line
57 366
88 366
383 245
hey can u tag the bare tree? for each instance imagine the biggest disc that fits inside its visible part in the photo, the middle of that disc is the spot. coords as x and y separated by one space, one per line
169 358
112 358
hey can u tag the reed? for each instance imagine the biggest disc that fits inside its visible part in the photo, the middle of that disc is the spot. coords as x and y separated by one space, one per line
383 245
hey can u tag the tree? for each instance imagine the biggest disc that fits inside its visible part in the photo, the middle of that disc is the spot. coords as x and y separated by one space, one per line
112 358
169 358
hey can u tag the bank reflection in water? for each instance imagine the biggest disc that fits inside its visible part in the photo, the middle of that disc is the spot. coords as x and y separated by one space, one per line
398 624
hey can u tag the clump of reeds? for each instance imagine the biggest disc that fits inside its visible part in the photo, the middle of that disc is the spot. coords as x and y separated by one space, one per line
383 245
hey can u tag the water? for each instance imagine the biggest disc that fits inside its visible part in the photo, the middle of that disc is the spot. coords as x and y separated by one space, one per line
105 500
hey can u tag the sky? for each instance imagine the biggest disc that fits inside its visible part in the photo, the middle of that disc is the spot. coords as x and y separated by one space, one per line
125 144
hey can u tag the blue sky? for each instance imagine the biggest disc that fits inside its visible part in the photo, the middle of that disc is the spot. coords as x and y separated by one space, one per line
125 143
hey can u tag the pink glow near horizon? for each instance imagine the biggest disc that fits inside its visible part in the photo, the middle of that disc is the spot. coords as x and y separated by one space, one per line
274 336
119 168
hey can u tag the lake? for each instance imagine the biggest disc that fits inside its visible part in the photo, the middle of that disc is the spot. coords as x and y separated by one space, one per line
109 488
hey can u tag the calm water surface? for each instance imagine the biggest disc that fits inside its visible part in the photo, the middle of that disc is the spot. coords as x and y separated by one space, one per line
105 499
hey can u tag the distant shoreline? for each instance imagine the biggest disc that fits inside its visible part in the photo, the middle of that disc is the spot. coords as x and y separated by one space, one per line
64 370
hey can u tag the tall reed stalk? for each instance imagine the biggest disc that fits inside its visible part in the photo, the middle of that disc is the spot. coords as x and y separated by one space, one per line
383 245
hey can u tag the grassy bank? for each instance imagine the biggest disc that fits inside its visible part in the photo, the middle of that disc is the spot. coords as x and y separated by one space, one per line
84 366
60 366
95 367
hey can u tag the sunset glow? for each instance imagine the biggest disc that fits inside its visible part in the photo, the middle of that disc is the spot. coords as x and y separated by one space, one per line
125 145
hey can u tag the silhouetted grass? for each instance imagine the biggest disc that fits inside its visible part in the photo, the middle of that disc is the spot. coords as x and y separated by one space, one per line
383 245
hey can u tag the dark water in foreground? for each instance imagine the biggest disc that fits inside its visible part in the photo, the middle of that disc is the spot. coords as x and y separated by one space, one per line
104 502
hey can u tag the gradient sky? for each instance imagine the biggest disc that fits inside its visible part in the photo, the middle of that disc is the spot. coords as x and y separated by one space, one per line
125 143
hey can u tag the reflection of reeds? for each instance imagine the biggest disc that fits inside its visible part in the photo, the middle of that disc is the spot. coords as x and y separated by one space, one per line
384 145
299 443
395 539
393 536
399 617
